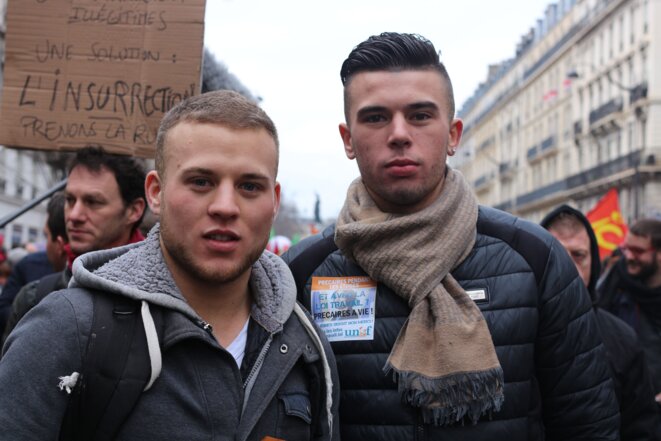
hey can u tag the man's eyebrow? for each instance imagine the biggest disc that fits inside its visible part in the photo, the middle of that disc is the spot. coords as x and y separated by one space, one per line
371 109
198 171
422 105
255 177
85 194
207 172
413 106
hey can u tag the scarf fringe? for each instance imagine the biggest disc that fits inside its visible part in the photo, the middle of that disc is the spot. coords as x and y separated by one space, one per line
447 400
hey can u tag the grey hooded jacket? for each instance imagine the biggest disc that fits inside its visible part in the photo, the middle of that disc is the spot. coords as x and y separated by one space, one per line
287 389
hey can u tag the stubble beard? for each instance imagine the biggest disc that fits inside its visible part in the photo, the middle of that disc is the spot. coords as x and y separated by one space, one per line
645 270
183 258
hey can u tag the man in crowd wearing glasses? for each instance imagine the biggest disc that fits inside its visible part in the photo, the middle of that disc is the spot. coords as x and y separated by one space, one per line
631 289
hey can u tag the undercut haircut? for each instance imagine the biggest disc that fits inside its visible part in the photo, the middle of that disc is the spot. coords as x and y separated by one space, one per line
221 107
129 172
56 224
394 52
648 227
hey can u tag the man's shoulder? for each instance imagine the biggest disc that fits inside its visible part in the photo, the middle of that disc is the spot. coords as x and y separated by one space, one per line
319 243
499 224
527 239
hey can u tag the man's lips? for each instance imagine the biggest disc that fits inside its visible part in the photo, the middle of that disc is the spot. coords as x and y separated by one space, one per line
401 167
221 240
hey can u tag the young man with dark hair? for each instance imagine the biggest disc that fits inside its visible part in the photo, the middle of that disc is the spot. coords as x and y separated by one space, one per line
478 319
631 289
105 200
639 415
104 205
232 355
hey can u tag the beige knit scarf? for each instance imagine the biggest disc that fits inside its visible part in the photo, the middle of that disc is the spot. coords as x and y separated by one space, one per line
443 359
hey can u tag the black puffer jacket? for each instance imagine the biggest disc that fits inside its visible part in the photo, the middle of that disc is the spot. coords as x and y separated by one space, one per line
557 385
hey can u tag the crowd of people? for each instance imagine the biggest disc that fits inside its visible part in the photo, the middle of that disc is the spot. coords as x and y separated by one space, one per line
418 315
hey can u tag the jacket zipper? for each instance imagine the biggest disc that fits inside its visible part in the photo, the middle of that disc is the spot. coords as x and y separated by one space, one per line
250 380
258 363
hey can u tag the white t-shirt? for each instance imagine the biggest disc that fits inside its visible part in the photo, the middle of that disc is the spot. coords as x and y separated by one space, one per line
238 346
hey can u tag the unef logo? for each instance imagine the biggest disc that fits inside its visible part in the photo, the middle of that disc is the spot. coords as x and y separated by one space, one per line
362 331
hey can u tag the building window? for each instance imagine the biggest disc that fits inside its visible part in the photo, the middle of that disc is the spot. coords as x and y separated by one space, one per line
611 37
632 23
33 233
645 18
19 190
621 33
16 235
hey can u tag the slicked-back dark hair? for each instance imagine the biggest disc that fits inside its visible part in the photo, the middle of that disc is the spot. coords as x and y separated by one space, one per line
648 227
129 172
56 224
394 52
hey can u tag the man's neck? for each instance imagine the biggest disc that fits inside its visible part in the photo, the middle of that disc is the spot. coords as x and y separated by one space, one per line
226 307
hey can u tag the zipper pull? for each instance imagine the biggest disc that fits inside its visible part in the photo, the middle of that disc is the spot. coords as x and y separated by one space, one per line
207 327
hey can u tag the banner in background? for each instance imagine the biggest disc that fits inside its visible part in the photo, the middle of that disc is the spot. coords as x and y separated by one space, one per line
607 223
104 72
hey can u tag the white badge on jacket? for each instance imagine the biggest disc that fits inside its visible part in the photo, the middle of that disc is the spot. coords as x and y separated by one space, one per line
344 307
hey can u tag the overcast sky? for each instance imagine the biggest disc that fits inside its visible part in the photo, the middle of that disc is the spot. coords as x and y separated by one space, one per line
289 53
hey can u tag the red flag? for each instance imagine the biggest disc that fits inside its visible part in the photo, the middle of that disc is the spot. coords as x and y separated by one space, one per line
607 223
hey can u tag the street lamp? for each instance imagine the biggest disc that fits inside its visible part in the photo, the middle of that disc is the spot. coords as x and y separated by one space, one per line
573 74
635 92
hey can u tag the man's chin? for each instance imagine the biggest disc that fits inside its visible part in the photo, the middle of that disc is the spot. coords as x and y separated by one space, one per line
633 270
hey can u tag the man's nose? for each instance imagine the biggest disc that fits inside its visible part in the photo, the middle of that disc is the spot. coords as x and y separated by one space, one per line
400 132
76 211
224 203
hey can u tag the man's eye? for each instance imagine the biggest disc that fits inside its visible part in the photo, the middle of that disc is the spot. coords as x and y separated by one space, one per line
374 118
250 187
200 182
420 116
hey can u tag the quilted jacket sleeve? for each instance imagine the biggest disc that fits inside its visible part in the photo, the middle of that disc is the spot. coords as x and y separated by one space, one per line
578 399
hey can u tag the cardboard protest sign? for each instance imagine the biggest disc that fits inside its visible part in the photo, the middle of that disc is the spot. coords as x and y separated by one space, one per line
104 72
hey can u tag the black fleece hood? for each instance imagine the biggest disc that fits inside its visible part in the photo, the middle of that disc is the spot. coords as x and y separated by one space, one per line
595 270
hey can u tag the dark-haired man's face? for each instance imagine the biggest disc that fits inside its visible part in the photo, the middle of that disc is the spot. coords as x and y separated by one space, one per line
641 258
399 131
95 214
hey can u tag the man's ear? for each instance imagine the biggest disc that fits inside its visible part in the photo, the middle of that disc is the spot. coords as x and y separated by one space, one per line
345 133
456 130
61 243
276 194
153 191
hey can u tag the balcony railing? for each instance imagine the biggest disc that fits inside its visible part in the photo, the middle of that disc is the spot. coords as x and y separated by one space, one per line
581 179
612 106
532 152
548 143
638 92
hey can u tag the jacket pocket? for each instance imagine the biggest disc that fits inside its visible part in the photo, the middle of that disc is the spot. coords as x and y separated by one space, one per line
297 405
295 416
